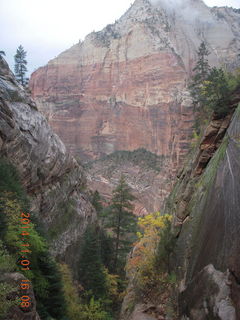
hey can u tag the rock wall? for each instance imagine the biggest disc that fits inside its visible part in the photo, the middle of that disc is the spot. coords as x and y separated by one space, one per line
205 207
205 204
124 88
53 179
145 173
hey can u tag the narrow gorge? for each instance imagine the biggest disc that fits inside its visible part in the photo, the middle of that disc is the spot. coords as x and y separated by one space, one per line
118 107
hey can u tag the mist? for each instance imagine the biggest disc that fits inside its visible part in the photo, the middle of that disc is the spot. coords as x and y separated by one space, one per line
189 10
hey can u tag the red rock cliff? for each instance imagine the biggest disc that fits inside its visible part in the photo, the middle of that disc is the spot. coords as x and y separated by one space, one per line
125 86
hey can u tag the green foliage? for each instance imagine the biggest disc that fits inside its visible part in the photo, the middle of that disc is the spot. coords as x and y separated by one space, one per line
53 300
106 249
7 262
216 91
67 211
6 302
10 182
96 201
122 222
73 303
43 272
149 263
94 311
91 271
20 68
211 89
201 71
140 157
165 247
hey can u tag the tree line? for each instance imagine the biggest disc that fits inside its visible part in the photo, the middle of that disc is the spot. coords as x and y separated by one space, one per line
97 291
211 88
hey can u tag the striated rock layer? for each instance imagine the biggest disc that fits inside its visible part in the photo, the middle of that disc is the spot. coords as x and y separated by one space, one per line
205 203
52 177
145 173
125 87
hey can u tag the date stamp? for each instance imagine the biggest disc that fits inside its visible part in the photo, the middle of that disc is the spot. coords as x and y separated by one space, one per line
25 263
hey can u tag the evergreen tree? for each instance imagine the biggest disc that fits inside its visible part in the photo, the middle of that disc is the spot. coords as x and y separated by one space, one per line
91 271
106 249
216 91
20 68
123 222
51 301
96 202
201 72
43 273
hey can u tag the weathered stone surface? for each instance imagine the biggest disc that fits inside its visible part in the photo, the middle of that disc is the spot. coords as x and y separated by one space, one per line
52 177
145 178
207 227
125 87
15 312
208 295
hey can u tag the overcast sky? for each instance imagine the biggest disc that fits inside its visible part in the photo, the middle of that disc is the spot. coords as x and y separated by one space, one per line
47 27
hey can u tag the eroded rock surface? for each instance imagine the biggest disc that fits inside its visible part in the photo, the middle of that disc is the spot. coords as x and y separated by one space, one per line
124 88
208 295
207 225
15 312
52 177
145 173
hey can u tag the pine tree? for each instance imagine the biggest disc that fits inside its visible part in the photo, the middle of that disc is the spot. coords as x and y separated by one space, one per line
217 91
106 249
123 221
52 302
91 271
202 67
20 68
96 202
201 72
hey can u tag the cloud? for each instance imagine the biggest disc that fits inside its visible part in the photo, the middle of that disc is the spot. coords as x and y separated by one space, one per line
191 11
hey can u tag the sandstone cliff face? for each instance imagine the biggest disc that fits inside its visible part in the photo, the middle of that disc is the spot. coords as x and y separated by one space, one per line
205 204
125 87
205 207
145 173
52 177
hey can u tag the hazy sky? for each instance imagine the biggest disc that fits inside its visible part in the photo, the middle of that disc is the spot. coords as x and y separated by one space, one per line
47 27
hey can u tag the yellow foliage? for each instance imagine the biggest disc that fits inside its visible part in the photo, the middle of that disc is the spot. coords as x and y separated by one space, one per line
144 251
112 281
70 293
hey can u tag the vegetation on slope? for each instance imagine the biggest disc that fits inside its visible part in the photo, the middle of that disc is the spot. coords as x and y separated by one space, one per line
140 157
43 271
149 265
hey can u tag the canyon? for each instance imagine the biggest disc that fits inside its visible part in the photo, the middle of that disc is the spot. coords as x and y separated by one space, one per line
118 103
125 87
53 179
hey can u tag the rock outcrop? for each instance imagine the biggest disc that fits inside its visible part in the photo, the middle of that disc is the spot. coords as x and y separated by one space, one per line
124 88
16 313
53 179
145 173
205 204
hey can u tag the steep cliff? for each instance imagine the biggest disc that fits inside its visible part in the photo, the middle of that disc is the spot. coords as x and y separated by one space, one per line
124 88
52 178
205 256
205 204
